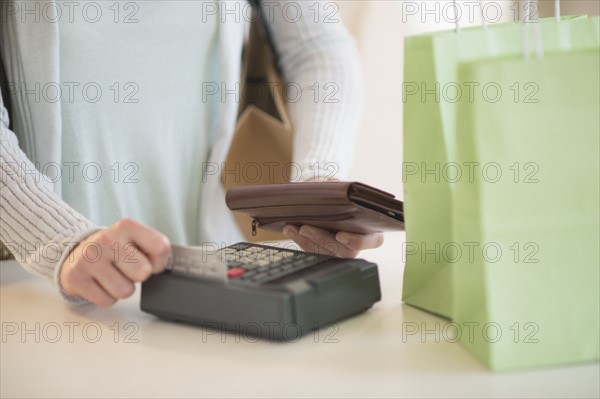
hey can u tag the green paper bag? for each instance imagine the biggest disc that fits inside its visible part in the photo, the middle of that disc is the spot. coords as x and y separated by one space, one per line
431 93
531 289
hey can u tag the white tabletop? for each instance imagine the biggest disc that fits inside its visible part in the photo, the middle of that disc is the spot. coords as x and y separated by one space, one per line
362 357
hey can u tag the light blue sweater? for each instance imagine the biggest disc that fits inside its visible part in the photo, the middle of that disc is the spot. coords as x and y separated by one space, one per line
135 129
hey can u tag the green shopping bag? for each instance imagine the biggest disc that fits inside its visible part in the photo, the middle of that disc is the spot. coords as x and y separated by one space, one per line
431 93
530 290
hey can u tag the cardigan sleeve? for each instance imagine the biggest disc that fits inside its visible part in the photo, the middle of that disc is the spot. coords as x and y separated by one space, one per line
320 64
36 226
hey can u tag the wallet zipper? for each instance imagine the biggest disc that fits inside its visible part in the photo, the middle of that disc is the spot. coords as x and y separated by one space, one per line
254 224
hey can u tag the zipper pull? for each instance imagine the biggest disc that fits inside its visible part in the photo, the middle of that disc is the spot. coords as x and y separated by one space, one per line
254 224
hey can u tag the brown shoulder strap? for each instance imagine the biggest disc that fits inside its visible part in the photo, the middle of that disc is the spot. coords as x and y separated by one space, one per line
4 87
4 252
264 31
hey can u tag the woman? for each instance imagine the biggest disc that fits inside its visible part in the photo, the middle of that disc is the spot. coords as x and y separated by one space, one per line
112 125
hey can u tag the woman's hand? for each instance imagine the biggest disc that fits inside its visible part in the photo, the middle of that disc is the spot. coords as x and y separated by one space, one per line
343 244
104 267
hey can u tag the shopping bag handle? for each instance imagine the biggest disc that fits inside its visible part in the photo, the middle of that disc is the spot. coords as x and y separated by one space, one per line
456 19
537 33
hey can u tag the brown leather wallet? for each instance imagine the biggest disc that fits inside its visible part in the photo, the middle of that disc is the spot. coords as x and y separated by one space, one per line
334 206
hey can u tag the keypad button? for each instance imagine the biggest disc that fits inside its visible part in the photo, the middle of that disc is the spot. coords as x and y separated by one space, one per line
262 263
235 272
254 264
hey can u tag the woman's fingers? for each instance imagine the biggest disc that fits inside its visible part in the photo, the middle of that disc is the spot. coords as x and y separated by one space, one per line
85 286
119 256
359 242
314 239
293 233
154 245
94 293
343 244
112 281
133 263
326 239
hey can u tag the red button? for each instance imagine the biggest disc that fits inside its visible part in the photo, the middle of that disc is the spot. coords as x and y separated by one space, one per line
235 272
